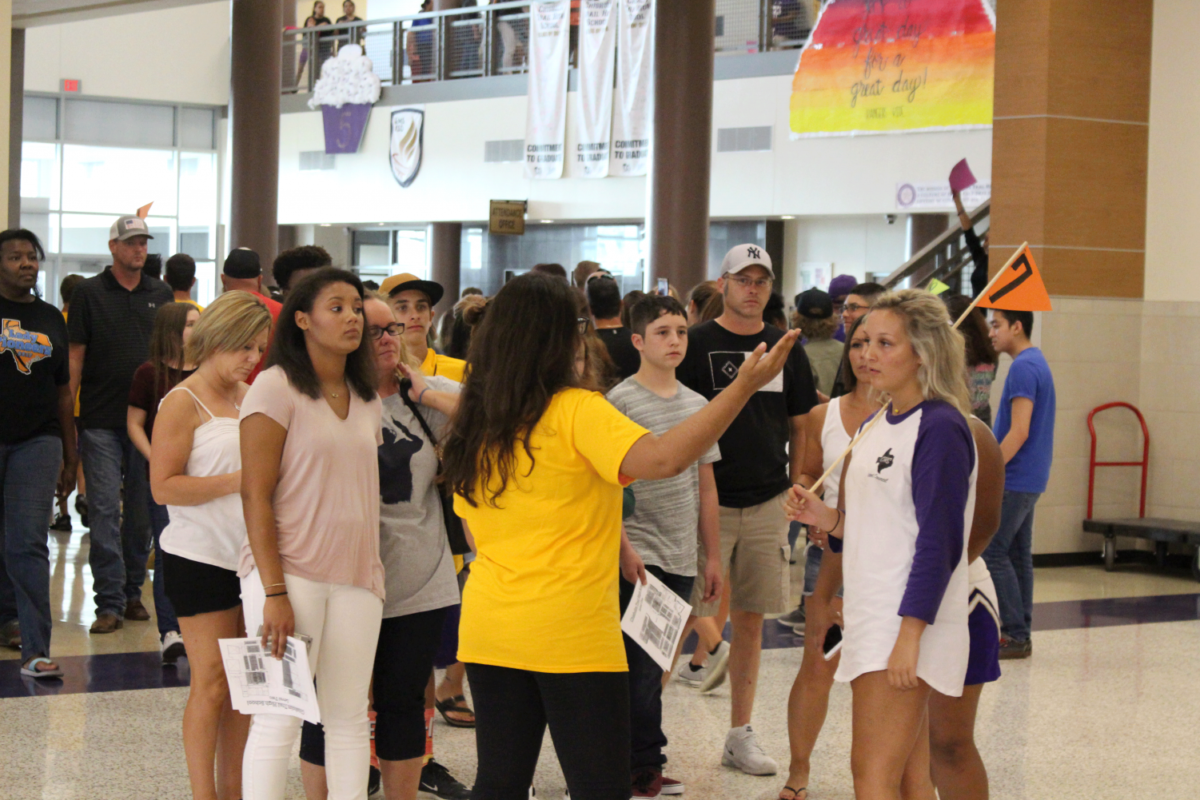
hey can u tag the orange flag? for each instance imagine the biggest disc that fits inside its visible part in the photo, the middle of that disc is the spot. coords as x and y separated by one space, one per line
1020 288
144 211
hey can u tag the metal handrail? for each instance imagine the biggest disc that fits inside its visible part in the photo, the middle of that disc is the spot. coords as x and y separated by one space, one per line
440 23
942 258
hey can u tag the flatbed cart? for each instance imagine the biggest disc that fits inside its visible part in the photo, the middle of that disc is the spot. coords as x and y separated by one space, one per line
1162 532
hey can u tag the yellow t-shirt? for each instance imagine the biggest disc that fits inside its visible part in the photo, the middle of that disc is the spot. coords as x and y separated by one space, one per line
543 590
445 366
193 302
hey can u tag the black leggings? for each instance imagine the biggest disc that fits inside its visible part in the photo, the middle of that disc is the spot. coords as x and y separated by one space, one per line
403 664
588 715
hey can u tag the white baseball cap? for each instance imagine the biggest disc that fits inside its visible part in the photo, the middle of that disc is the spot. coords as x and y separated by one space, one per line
746 255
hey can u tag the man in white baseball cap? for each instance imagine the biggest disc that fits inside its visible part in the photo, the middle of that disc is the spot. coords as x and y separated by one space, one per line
760 458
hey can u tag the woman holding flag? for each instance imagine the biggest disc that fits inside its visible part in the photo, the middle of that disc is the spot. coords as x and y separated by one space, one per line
907 501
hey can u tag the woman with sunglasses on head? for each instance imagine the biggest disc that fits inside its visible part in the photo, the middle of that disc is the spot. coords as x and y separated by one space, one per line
310 427
537 464
908 494
417 562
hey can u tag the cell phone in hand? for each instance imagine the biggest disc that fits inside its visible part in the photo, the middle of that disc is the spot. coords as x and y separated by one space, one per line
833 642
664 288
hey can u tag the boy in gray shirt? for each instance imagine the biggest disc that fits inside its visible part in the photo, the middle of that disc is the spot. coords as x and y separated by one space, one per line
669 518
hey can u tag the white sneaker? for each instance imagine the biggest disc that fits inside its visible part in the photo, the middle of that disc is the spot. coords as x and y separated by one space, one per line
743 752
691 677
172 647
717 666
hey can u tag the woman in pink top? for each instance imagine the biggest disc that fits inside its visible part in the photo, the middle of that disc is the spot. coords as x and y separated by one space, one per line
310 490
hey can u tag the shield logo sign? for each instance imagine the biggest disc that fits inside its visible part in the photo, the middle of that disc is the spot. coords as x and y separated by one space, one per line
407 144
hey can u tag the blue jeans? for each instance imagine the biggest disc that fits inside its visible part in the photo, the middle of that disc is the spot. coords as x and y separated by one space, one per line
647 739
163 611
1009 558
119 548
29 475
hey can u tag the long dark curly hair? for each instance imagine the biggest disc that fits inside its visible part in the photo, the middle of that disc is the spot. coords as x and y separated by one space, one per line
522 354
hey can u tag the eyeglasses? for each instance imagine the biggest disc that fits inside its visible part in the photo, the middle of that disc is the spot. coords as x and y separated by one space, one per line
583 323
746 283
854 308
394 330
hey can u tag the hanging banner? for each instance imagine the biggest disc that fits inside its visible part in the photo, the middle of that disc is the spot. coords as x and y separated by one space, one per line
546 119
406 147
633 108
597 40
895 66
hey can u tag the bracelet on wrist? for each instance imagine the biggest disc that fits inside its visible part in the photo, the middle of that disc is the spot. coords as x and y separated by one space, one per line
273 585
277 594
421 396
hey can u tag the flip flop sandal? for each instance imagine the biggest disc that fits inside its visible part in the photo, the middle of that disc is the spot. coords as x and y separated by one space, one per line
796 792
457 703
31 670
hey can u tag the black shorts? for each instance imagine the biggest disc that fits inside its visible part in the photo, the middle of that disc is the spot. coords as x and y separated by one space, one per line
195 588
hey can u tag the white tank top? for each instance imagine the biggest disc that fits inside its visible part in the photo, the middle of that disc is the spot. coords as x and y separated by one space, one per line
834 441
212 532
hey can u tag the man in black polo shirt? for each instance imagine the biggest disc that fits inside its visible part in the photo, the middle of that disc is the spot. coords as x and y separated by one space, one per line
761 456
112 316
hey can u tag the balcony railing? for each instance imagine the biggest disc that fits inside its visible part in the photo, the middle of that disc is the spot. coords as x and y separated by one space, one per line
494 40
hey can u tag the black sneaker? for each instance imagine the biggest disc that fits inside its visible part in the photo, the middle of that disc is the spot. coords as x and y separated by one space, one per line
1014 649
62 523
437 781
374 780
81 509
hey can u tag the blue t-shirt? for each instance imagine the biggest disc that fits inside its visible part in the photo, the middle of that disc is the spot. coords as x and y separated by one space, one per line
1029 376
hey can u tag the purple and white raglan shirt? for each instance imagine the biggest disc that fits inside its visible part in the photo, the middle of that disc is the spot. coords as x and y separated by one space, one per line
910 500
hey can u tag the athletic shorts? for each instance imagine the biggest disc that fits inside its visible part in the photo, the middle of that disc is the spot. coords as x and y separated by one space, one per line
195 588
983 664
756 554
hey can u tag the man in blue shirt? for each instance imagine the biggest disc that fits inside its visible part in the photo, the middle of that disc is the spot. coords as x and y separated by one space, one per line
1025 429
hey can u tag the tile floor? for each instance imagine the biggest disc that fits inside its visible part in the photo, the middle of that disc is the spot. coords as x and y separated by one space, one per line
1105 708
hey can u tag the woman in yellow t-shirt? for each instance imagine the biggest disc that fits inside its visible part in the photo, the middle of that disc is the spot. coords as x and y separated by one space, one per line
537 465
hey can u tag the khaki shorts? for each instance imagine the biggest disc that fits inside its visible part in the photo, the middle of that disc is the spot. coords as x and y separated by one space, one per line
755 554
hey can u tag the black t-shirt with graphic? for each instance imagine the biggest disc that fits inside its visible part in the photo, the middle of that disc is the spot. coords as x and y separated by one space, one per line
34 362
754 458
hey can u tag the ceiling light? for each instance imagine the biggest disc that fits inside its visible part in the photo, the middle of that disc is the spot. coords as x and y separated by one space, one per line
325 224
787 216
547 221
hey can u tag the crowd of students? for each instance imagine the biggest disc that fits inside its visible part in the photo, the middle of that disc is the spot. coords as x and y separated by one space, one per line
318 468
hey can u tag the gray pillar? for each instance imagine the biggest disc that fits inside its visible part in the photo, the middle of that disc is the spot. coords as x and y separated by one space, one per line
677 225
16 124
254 112
446 261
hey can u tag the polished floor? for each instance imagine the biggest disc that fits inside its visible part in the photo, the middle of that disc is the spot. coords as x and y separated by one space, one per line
1106 708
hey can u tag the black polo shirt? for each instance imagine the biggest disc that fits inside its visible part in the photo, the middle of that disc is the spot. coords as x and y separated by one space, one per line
115 324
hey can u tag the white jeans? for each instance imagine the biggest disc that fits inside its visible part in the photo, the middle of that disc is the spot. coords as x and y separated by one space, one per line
343 622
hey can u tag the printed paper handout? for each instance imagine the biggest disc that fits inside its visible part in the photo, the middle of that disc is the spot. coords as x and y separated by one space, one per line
655 619
259 683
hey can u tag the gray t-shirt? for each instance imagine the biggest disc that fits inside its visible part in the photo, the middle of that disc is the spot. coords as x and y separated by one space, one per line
418 567
664 528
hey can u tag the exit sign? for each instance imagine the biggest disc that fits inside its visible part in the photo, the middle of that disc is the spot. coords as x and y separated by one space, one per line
71 85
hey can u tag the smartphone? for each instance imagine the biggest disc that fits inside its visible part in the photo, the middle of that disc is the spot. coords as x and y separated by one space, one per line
833 642
664 288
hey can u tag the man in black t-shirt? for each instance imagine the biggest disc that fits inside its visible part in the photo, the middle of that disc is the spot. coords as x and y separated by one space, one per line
761 456
112 316
37 448
604 301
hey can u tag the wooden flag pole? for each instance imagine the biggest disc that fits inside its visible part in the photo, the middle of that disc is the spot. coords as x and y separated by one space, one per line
991 283
883 411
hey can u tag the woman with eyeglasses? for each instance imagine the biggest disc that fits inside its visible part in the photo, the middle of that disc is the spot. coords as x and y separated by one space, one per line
417 563
537 463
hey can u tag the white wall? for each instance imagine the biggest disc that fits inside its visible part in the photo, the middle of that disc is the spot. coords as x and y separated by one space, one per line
832 176
1173 188
858 245
178 55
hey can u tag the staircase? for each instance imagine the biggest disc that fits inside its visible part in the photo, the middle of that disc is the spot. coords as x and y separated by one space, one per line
946 258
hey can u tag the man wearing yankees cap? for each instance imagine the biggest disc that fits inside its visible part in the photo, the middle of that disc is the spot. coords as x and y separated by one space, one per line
761 456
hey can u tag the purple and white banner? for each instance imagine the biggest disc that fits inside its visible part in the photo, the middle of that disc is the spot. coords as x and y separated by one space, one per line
546 118
597 59
633 108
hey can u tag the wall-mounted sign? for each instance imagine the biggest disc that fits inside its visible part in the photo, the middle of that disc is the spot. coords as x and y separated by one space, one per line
72 85
507 217
407 144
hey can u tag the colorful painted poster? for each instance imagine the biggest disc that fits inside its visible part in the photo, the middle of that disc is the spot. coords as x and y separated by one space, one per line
895 66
